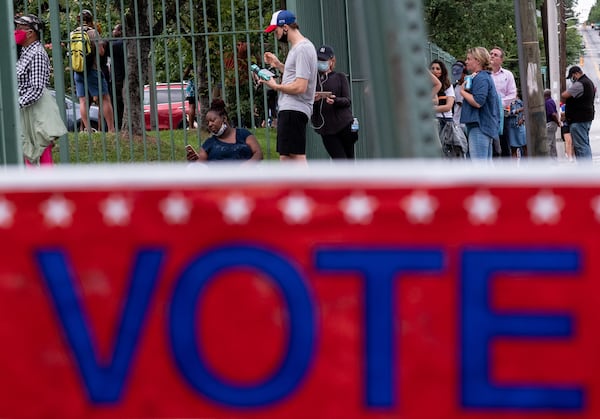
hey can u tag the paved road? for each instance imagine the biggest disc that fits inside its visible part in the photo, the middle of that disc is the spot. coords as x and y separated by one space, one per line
591 67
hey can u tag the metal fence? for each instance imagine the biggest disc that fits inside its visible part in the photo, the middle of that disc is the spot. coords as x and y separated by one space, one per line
218 39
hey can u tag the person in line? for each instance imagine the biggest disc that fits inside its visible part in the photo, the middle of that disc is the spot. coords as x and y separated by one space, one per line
117 69
190 95
297 87
332 114
579 101
96 82
516 129
504 80
480 112
40 118
459 71
552 123
565 134
226 142
446 96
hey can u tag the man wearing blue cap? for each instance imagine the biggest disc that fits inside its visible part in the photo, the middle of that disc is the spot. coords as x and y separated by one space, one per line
297 88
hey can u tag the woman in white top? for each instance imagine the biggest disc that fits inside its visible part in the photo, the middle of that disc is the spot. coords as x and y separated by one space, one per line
446 96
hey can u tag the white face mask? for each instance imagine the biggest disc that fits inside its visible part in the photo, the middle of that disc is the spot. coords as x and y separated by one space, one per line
221 130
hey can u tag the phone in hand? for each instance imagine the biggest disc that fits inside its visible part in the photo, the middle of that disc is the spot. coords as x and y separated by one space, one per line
323 95
191 155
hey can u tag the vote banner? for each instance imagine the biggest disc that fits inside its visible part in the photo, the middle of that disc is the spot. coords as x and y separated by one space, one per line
345 292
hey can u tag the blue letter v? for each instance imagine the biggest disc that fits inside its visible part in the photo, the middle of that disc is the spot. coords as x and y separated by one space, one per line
104 383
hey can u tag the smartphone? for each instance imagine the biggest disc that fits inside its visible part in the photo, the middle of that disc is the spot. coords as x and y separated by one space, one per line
190 149
191 153
323 95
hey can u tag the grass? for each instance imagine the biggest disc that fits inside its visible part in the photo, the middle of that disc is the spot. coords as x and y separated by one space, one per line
162 146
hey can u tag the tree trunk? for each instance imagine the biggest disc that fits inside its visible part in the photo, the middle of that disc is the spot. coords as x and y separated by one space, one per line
137 65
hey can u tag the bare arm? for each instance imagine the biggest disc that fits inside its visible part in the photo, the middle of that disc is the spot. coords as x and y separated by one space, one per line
252 142
296 87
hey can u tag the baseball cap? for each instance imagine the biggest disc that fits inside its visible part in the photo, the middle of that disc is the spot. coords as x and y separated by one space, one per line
280 18
31 21
458 69
573 70
325 52
87 16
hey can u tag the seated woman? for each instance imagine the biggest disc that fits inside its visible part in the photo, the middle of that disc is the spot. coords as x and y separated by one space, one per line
226 143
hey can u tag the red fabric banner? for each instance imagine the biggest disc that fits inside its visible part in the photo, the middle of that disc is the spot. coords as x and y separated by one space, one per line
300 298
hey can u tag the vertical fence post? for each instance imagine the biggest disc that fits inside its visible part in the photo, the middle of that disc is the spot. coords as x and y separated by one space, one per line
400 86
10 130
59 80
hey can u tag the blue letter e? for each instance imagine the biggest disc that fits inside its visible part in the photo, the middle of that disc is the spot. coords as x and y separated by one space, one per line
481 325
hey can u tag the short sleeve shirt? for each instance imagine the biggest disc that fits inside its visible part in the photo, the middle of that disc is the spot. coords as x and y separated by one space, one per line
301 62
220 150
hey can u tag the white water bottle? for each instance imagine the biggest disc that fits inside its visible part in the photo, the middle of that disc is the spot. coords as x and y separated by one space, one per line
355 125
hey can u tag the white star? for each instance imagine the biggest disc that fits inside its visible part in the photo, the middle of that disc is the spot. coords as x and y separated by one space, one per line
296 208
236 209
57 211
358 208
482 207
596 207
115 211
545 208
176 209
7 211
419 207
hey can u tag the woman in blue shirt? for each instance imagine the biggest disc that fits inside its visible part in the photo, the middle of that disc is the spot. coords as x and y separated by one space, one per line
226 143
481 110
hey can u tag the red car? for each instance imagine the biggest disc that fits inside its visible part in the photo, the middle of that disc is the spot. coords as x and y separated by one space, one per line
171 105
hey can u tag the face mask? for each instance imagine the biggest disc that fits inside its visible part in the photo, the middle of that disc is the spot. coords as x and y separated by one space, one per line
284 37
221 130
323 66
20 36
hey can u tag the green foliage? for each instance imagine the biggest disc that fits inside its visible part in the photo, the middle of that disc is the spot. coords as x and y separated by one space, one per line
456 25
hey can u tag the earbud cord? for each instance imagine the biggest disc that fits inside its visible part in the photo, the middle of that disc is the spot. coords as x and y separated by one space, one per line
321 104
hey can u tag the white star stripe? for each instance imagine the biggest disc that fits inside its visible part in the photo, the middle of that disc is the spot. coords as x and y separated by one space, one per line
115 211
57 211
236 209
358 208
419 207
175 209
296 208
7 211
545 207
482 207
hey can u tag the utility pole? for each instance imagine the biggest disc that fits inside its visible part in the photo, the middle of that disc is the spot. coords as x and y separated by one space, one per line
552 49
562 44
531 77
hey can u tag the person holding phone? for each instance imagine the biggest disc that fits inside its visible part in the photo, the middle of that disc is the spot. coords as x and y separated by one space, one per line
226 142
332 112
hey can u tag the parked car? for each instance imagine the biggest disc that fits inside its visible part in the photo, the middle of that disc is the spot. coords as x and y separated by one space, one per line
171 105
73 120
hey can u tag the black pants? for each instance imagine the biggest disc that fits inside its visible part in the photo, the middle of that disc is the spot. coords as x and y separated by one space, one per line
341 144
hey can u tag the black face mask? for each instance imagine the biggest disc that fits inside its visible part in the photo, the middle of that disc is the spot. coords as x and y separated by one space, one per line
284 37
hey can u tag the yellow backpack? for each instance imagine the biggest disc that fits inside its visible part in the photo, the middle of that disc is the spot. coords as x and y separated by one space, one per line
81 49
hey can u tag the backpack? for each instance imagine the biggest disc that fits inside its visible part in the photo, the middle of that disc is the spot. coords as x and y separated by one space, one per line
81 49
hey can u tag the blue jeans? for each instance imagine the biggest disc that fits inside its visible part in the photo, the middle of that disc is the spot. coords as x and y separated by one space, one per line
580 132
480 145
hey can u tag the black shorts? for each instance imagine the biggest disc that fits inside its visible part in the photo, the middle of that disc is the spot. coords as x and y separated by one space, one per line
291 132
565 129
